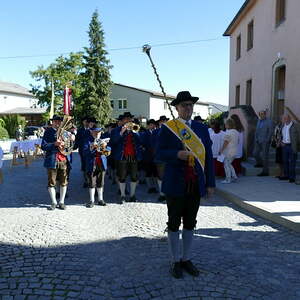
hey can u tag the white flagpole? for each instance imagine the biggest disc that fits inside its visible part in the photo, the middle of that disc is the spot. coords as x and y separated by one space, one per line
52 100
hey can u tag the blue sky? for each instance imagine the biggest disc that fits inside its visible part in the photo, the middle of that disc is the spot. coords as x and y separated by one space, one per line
35 27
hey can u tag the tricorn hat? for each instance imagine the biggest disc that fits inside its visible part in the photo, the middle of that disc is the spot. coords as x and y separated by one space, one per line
151 121
56 118
127 114
184 96
163 118
120 117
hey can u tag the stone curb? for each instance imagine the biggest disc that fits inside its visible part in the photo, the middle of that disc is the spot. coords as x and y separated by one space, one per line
276 218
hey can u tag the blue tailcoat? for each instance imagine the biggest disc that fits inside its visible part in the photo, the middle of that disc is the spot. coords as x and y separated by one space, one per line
48 141
148 140
167 149
117 144
80 139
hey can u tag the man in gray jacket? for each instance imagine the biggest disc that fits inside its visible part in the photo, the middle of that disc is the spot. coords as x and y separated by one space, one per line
290 147
263 135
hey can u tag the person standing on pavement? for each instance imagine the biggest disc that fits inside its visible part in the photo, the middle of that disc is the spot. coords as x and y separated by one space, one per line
263 136
290 147
188 176
229 150
276 143
95 152
127 149
56 163
79 144
160 165
19 133
148 142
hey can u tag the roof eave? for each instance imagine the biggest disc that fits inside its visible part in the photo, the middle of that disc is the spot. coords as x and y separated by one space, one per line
240 14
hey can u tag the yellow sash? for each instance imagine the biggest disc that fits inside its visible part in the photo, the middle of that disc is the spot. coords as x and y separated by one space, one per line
189 138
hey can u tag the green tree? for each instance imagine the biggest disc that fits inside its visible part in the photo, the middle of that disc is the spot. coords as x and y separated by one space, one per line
96 80
63 71
11 122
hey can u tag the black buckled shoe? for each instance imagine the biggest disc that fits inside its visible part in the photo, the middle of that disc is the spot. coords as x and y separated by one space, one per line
132 199
161 198
189 268
176 270
52 207
122 199
90 205
102 203
62 206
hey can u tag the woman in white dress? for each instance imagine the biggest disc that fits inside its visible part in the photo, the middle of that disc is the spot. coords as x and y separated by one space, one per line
229 150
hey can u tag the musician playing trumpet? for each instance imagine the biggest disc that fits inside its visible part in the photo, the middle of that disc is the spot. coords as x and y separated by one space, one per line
127 153
55 162
95 151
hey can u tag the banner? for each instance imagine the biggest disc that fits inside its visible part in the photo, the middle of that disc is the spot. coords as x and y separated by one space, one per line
67 100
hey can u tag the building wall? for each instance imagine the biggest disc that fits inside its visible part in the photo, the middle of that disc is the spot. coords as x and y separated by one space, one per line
137 101
158 108
9 101
257 63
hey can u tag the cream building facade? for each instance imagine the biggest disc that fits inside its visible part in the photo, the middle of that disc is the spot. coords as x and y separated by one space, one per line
265 57
146 104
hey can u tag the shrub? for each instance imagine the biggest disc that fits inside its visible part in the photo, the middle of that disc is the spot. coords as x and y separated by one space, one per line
3 133
11 123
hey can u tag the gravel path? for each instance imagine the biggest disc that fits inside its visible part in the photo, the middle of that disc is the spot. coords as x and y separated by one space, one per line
120 251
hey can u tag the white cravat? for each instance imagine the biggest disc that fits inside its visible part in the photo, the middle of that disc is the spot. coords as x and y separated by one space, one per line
286 133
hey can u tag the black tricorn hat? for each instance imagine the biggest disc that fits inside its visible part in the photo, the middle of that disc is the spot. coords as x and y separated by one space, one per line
198 118
184 96
163 118
56 118
151 121
120 117
127 114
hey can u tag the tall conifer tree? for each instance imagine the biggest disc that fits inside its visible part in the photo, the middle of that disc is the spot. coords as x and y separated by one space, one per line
95 99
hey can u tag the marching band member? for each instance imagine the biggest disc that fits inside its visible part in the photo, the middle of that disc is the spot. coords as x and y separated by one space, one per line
55 162
95 152
185 147
79 143
148 142
127 153
160 165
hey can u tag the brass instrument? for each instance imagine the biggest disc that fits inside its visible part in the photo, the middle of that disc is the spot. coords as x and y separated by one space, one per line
100 146
65 136
131 126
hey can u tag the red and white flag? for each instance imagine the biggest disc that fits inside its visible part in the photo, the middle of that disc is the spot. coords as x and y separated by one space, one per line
67 100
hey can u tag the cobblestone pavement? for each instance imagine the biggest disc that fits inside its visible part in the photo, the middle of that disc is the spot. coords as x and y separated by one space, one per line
120 251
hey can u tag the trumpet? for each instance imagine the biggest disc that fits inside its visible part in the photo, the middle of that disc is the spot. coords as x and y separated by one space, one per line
101 146
132 126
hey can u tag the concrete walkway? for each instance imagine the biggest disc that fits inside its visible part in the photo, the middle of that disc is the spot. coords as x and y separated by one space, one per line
268 197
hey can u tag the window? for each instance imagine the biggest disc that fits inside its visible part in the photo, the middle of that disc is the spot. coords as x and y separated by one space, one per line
112 105
122 103
249 92
250 35
237 95
280 11
238 47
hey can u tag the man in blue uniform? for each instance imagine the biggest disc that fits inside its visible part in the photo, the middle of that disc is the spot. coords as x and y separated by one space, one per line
55 162
148 142
95 151
185 147
126 146
79 143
